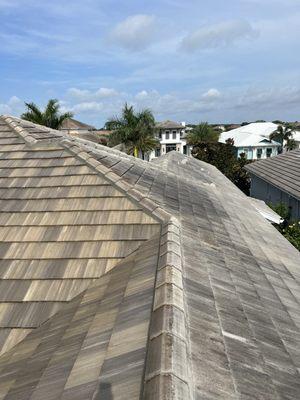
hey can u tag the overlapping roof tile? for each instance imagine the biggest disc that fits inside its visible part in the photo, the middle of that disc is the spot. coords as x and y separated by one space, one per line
202 301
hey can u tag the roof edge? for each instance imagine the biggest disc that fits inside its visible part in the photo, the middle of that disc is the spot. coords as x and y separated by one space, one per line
269 182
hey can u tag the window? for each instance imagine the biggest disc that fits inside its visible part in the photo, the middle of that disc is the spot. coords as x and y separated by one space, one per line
245 151
269 152
167 135
170 147
174 134
259 153
157 152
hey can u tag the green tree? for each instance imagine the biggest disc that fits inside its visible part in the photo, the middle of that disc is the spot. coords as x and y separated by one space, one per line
50 117
223 157
284 135
202 133
292 233
134 130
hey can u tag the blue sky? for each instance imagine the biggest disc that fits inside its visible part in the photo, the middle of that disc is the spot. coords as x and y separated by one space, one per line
192 60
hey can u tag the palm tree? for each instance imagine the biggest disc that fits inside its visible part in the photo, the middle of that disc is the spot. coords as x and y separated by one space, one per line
202 133
284 135
134 130
50 117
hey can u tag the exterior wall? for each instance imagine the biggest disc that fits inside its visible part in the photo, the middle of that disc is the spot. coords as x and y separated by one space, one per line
253 152
270 194
169 141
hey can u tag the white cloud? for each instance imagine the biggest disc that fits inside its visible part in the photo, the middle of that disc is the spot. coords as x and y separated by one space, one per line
13 106
85 107
135 32
83 94
218 35
143 94
212 94
106 92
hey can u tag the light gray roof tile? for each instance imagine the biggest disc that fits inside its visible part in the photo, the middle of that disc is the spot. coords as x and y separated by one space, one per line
208 308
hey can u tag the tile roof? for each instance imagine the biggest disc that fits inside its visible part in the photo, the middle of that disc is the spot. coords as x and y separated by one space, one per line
282 171
169 125
71 123
206 306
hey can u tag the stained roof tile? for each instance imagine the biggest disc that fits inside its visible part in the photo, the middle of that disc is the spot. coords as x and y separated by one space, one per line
202 301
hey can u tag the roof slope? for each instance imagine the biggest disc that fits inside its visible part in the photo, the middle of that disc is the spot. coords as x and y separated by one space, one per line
71 123
282 171
255 134
169 125
225 312
61 226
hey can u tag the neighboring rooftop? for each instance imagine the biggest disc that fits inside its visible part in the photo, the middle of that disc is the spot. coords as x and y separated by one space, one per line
255 134
169 125
166 282
282 171
73 124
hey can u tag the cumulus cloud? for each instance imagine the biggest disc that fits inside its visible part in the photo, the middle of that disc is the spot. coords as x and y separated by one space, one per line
13 106
211 94
134 33
85 107
83 94
218 35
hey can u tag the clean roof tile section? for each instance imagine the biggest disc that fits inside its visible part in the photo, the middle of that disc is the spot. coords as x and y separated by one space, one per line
207 308
282 171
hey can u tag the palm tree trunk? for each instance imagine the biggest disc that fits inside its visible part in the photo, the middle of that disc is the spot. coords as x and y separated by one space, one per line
135 152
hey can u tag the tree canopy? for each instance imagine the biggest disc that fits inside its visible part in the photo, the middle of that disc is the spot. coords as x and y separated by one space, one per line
223 156
284 135
135 130
202 133
50 117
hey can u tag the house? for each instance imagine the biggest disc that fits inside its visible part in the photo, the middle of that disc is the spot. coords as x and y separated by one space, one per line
296 137
171 136
79 129
253 140
124 279
277 180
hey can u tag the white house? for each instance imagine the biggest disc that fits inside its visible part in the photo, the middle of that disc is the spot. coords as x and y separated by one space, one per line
171 136
296 137
253 140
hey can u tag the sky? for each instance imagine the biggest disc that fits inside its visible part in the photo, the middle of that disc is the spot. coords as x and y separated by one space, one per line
187 60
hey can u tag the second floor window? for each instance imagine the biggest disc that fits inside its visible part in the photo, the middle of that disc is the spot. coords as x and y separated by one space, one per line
269 152
174 134
167 135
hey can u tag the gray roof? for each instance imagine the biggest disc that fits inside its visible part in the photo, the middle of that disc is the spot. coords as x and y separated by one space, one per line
282 171
71 123
169 125
206 307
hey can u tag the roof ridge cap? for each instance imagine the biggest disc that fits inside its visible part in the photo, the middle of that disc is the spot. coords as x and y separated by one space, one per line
133 194
19 130
172 371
